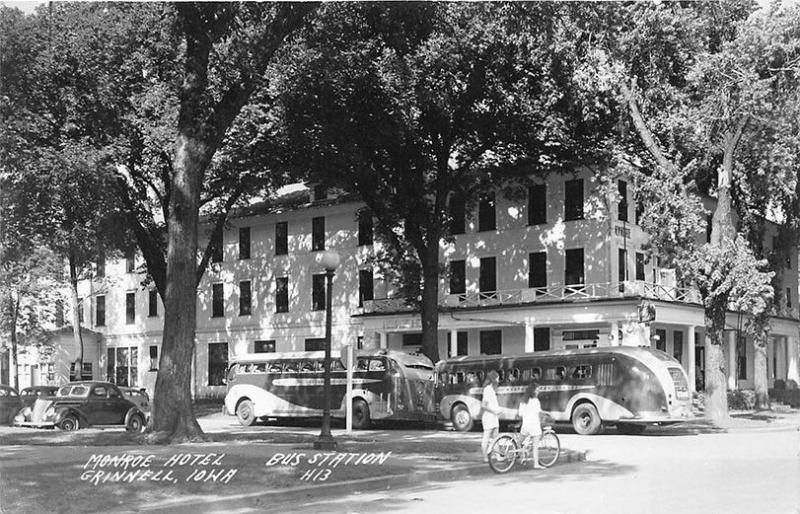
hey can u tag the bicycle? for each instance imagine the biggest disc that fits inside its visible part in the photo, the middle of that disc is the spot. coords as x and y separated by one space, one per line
507 449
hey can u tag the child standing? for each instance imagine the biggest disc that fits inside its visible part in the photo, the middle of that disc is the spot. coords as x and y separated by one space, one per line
491 409
529 410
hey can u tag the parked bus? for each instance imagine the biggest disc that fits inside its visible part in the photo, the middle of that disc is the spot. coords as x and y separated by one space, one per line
386 385
629 387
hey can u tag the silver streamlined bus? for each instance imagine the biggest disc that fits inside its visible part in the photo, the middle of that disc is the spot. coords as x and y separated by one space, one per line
386 385
629 387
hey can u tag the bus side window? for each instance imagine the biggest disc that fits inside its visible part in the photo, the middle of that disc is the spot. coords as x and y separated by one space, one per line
319 366
481 376
232 372
291 367
561 372
513 375
536 373
377 365
275 367
261 367
582 372
306 367
362 364
336 365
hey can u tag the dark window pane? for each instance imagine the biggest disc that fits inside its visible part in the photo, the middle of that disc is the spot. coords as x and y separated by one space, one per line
217 301
318 292
573 200
639 266
622 268
244 298
365 235
622 207
491 342
101 267
537 204
457 215
216 248
486 213
152 303
282 238
458 278
573 271
130 308
318 233
315 344
217 363
414 339
462 346
537 272
661 340
130 262
365 286
153 358
244 243
541 339
100 310
264 346
282 294
488 277
677 346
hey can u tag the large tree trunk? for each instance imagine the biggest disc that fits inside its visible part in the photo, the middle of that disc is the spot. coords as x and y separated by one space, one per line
430 309
760 372
76 318
14 352
716 392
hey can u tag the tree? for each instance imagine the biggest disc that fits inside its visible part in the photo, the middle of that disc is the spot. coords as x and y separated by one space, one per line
415 108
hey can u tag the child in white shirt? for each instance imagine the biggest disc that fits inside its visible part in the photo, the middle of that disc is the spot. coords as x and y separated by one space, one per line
529 410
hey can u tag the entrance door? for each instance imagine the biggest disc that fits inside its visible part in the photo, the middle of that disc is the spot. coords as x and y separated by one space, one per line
700 368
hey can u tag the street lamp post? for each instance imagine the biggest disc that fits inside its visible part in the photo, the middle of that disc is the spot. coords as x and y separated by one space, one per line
329 261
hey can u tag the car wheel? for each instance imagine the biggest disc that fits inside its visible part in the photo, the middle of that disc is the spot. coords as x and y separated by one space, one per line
135 424
244 413
360 414
461 418
69 424
586 420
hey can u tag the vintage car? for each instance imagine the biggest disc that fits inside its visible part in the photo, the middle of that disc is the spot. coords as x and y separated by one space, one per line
83 404
10 404
138 397
30 394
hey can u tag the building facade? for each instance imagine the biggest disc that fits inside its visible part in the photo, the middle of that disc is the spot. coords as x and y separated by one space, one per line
561 265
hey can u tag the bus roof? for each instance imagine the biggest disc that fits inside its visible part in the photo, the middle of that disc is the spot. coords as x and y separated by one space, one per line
632 351
406 359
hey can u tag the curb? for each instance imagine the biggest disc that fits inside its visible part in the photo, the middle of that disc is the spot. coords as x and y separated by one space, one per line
413 477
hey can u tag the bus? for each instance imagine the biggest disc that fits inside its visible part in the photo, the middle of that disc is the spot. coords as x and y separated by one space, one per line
629 387
386 385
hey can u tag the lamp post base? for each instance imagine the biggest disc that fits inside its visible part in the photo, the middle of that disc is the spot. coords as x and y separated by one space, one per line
325 443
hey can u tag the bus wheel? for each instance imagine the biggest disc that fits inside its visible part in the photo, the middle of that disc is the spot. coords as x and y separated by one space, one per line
586 420
360 414
244 412
462 420
630 428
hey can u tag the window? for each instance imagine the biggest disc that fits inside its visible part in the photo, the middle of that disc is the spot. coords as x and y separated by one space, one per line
580 335
462 339
245 306
486 213
244 243
457 215
365 230
100 310
130 308
458 277
86 371
130 262
101 267
541 339
622 268
315 344
788 298
318 234
491 342
318 292
661 340
412 339
217 363
153 358
264 346
622 208
216 247
217 301
122 366
320 192
488 277
282 294
360 343
741 359
80 310
537 269
282 238
573 200
639 212
639 266
677 346
537 204
582 372
152 303
573 270
365 286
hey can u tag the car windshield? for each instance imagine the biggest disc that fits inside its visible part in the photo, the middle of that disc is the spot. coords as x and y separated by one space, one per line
76 390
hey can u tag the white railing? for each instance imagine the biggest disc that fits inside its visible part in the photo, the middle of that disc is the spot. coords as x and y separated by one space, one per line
576 292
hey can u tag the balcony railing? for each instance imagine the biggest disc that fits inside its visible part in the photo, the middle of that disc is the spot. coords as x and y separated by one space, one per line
577 292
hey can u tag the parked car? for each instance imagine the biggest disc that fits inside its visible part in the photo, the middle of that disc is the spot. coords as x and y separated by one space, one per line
83 404
10 404
138 397
30 394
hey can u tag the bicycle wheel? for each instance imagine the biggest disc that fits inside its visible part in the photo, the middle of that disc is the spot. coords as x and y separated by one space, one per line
549 449
503 453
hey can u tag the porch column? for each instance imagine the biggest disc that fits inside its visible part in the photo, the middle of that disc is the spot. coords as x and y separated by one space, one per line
614 336
453 343
793 362
383 340
528 336
732 382
690 364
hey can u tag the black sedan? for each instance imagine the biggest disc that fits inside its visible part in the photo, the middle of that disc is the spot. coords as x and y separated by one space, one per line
10 404
30 394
